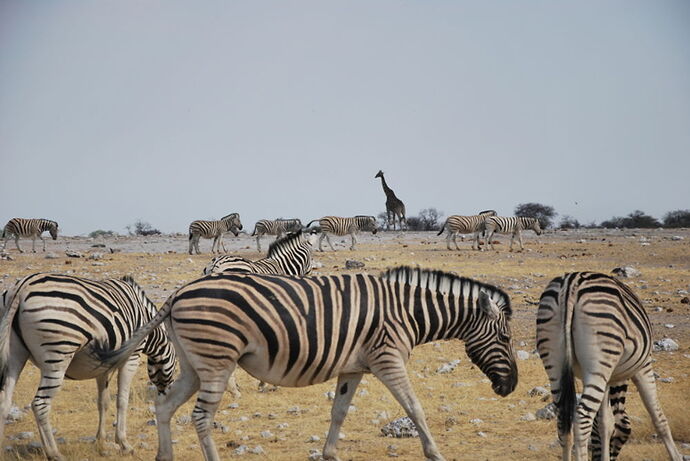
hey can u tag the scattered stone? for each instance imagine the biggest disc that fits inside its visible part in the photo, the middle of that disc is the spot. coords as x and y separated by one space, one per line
73 254
482 434
539 391
6 257
685 300
548 412
314 454
242 449
266 434
15 414
476 421
316 265
314 438
401 427
51 256
676 238
234 405
666 380
522 355
669 325
23 436
626 272
528 417
184 419
258 450
448 367
282 426
352 264
666 344
95 256
330 395
295 410
98 245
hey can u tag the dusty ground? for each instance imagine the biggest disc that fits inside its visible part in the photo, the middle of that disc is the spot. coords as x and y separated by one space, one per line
451 401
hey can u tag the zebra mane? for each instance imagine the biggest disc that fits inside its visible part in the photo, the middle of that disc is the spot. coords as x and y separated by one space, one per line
277 245
230 216
365 216
445 283
129 280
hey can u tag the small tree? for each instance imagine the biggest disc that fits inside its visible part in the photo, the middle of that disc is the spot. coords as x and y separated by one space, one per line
414 223
101 233
639 219
543 213
143 228
568 222
677 218
382 220
429 218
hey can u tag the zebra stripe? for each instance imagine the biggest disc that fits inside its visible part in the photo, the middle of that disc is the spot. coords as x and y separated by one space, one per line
593 326
290 255
510 225
214 230
276 227
20 227
58 321
302 331
337 225
457 224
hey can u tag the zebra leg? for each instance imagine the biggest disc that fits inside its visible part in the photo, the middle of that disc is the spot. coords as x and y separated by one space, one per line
16 242
489 236
210 394
102 382
233 387
604 428
124 383
48 387
622 427
33 244
344 391
644 380
328 239
448 237
258 243
321 237
354 241
522 247
512 238
167 404
17 359
593 394
44 242
394 376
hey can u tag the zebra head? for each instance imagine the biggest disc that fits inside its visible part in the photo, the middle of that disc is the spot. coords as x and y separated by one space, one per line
233 223
53 229
367 223
489 343
536 227
161 359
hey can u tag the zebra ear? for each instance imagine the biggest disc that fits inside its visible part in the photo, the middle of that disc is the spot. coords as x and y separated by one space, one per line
487 305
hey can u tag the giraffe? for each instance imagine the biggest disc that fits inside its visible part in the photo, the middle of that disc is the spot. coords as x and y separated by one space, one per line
394 206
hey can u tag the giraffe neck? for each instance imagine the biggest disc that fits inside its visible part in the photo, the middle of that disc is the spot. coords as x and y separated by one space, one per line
388 191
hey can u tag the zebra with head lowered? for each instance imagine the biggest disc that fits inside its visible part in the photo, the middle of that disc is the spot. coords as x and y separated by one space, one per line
457 224
57 321
510 225
593 326
302 331
337 225
214 230
20 227
276 227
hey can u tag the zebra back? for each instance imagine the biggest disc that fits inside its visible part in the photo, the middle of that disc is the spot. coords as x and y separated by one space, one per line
463 224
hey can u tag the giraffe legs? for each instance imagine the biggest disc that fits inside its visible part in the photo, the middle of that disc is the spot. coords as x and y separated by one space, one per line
344 391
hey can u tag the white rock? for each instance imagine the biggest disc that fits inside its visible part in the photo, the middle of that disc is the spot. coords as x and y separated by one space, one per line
626 272
258 450
528 417
538 391
666 344
476 421
448 367
522 355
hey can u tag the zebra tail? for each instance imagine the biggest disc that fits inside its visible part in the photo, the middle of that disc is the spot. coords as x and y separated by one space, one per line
254 231
10 305
107 359
567 397
442 227
313 220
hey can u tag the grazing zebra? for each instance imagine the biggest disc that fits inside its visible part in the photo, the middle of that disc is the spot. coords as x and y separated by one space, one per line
342 226
290 255
510 225
593 326
302 331
56 321
457 224
276 227
20 227
214 230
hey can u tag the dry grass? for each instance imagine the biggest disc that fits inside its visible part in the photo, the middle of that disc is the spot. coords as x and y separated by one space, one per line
665 267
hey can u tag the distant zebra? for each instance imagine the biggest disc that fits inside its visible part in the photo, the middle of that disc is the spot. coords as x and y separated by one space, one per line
290 255
302 331
276 227
342 226
510 225
214 230
457 224
20 227
58 321
593 326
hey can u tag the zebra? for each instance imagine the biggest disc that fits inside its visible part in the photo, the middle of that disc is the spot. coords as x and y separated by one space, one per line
457 224
510 225
302 331
290 255
337 225
593 326
57 321
276 227
21 227
214 230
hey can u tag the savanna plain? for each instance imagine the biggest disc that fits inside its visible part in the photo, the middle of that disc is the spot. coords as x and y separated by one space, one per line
467 419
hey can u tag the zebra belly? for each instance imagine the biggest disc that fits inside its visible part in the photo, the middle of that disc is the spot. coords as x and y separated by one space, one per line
82 366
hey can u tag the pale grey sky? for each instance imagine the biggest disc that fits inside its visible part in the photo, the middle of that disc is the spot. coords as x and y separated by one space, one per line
170 111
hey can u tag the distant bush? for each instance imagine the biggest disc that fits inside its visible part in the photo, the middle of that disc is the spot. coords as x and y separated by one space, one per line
102 233
427 220
677 218
543 213
636 219
142 228
568 222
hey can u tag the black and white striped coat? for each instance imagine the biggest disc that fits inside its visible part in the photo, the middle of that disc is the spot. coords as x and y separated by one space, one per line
214 230
21 227
301 331
510 225
458 224
58 322
593 326
337 225
276 227
290 255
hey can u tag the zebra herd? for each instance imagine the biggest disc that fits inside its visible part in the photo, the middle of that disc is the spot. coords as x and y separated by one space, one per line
287 328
